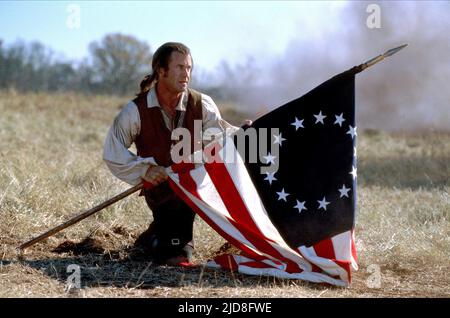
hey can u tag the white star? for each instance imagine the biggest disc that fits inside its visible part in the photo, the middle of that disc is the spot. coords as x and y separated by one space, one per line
353 172
300 206
298 123
279 139
323 204
344 191
339 119
352 131
270 177
270 158
319 118
282 195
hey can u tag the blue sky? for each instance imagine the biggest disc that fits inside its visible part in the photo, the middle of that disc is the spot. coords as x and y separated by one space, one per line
214 30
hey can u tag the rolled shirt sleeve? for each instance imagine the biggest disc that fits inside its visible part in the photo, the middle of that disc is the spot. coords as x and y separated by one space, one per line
123 163
213 123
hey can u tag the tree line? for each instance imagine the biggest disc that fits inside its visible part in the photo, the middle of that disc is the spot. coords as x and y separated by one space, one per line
115 65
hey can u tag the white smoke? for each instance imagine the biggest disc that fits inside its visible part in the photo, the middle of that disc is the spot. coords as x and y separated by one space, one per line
408 91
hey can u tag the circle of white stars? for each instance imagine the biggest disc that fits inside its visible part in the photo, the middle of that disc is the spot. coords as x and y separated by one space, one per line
321 204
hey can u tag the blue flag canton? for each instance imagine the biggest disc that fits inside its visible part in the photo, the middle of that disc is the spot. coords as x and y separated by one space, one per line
312 195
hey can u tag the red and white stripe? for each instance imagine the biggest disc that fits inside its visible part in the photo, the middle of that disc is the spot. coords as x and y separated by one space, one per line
335 256
224 196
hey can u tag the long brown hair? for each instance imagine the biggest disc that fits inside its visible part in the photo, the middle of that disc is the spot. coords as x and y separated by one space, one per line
161 59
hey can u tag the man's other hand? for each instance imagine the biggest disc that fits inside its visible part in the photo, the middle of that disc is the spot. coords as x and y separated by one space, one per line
247 123
155 175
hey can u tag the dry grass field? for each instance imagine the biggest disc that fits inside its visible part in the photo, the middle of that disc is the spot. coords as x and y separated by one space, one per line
51 168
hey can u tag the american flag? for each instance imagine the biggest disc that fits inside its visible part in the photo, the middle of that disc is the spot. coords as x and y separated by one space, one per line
296 220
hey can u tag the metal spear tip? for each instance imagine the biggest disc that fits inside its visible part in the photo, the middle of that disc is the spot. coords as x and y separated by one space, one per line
394 50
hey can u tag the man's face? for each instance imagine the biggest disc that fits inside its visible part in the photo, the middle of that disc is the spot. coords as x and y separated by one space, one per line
176 77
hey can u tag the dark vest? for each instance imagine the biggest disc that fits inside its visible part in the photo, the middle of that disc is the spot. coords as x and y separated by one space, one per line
154 139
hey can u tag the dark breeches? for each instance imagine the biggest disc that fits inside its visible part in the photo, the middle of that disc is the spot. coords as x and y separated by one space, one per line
172 226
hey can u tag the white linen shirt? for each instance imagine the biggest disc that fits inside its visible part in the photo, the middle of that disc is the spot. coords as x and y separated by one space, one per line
126 127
